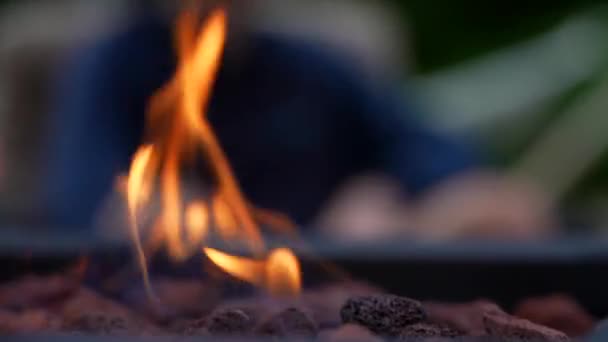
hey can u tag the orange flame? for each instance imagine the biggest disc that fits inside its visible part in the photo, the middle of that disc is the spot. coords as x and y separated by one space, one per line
279 272
283 276
178 130
197 221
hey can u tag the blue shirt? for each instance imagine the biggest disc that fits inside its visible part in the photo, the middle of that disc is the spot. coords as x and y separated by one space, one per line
295 121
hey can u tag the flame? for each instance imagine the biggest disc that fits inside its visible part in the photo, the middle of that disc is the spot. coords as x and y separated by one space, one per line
279 272
250 270
178 131
197 221
224 219
283 276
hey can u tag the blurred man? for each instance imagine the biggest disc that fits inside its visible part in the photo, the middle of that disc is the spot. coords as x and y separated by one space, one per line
296 120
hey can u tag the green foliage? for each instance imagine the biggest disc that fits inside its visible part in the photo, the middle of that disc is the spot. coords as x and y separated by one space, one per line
448 32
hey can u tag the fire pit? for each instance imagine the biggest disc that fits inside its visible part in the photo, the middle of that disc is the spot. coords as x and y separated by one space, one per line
260 279
418 290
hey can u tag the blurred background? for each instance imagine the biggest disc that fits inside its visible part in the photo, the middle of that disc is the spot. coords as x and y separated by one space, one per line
528 81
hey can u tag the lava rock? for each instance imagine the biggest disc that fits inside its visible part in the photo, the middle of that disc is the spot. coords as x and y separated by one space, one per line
517 328
257 305
424 330
420 330
465 317
97 323
28 322
36 291
196 327
84 300
385 315
177 299
291 322
229 322
325 302
557 311
348 333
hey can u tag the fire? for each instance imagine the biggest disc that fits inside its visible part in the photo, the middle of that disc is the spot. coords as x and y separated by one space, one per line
197 221
279 272
283 272
177 133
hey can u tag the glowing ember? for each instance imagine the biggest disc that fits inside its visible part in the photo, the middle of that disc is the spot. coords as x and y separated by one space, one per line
178 131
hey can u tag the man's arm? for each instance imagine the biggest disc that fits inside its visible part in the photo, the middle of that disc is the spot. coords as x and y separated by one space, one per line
446 192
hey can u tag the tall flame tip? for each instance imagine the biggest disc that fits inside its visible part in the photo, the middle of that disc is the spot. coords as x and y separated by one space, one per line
178 123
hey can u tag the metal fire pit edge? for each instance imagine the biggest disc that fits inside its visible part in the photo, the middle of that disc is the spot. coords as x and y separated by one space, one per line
505 272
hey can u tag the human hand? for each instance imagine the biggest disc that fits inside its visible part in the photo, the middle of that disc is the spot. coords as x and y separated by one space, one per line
484 205
473 205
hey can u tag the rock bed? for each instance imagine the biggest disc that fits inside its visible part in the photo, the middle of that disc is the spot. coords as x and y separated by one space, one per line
350 311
